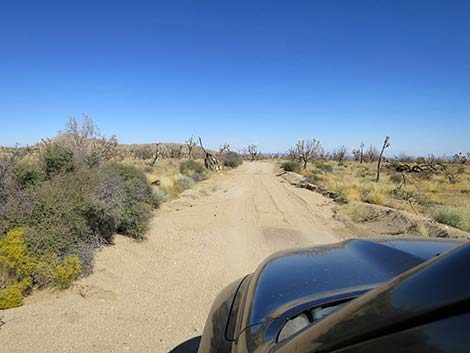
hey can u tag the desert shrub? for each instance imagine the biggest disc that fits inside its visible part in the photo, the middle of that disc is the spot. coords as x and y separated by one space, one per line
58 221
374 197
135 220
396 178
125 171
15 264
232 159
28 173
45 269
183 182
67 272
291 166
16 269
191 167
133 197
354 211
451 216
197 177
10 297
160 196
15 205
57 159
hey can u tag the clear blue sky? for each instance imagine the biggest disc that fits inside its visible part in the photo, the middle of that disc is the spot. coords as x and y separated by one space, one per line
264 72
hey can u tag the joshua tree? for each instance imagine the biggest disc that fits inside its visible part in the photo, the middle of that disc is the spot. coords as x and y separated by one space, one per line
362 152
157 153
385 145
252 150
210 162
191 144
339 154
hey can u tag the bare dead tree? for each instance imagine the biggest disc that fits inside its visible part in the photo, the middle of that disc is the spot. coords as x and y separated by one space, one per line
339 154
252 151
225 148
385 145
371 155
190 143
305 151
86 140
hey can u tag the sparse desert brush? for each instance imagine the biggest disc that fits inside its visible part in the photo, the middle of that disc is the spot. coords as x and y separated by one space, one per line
175 184
291 166
183 182
451 216
324 166
355 211
191 167
418 194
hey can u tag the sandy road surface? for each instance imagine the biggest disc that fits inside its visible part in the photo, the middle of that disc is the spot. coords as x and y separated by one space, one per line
150 297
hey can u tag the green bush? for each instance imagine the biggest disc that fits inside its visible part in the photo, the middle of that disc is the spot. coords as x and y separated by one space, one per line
65 216
135 220
197 177
57 159
232 159
451 216
191 167
28 174
291 166
126 172
58 222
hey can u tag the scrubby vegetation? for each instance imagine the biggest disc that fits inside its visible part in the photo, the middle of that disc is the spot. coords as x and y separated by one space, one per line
291 166
455 217
232 159
58 203
434 187
65 197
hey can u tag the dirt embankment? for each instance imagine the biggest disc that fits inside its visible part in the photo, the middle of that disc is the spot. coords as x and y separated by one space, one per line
151 296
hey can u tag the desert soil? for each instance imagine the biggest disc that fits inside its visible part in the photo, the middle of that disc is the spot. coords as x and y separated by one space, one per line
152 296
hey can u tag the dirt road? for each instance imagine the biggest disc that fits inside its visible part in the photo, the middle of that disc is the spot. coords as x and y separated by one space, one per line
151 296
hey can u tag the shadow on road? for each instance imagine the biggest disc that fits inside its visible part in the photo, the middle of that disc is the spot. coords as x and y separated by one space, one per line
190 346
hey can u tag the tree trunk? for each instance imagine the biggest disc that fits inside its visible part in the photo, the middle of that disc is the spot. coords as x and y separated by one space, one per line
378 166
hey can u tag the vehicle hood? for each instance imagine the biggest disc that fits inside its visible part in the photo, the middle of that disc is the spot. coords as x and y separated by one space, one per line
287 279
